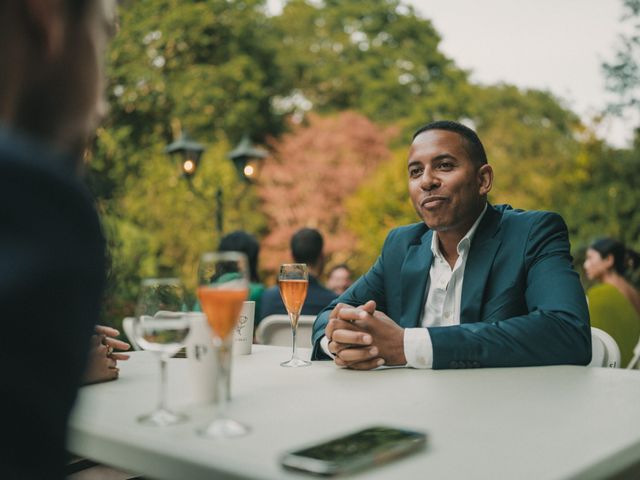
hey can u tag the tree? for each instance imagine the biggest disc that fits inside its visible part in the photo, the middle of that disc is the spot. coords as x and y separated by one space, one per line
206 65
623 71
377 57
313 170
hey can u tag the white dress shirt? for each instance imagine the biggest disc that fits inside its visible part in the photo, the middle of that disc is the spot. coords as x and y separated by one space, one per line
444 295
442 305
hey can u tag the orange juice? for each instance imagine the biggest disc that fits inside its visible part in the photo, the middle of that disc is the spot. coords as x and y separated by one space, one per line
222 308
293 293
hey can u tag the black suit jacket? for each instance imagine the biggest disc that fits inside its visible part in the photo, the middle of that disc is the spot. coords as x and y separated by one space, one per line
318 297
51 281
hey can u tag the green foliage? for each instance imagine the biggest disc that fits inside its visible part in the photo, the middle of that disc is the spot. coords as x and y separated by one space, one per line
623 71
376 57
210 66
382 203
602 197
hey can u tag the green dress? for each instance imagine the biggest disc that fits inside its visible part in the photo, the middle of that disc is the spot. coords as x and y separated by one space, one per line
255 294
612 312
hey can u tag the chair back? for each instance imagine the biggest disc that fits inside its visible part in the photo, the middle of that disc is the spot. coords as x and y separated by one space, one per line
276 330
635 361
604 350
127 326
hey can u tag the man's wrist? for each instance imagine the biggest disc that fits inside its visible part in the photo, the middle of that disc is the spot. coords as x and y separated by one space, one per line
417 348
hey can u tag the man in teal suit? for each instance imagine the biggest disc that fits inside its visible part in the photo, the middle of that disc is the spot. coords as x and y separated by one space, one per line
473 285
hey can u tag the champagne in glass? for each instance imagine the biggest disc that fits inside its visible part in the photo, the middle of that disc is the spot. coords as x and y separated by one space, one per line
161 327
294 282
223 285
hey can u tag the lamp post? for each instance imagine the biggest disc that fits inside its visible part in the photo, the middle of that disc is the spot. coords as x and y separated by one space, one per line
246 158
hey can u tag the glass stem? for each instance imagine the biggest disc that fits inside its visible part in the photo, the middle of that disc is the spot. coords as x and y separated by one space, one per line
294 328
162 400
223 380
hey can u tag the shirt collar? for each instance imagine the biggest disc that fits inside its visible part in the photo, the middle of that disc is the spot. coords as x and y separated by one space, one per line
464 243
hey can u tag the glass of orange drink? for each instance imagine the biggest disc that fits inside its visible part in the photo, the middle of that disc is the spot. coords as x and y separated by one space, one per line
223 285
293 280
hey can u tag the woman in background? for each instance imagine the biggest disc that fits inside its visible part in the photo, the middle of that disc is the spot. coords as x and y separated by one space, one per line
241 241
614 304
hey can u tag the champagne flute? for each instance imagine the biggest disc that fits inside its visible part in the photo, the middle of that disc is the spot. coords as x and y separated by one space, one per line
294 282
160 326
223 285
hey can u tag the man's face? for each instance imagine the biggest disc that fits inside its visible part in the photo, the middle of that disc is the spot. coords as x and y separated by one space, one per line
446 188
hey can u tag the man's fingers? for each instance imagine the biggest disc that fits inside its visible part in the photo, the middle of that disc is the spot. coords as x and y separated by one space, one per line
350 355
369 307
351 337
328 331
367 364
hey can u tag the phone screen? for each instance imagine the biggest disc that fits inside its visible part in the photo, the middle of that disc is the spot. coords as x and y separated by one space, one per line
366 447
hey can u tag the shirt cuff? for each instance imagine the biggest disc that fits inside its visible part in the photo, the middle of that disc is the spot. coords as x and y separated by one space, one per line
417 348
324 344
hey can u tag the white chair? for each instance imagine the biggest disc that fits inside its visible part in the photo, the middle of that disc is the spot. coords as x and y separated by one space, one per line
276 330
604 350
635 361
127 326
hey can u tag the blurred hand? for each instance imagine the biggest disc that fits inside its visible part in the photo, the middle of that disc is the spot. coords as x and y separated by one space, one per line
103 361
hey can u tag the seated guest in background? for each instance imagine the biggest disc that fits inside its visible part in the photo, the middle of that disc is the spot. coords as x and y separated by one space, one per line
614 304
240 241
473 285
306 247
52 261
339 279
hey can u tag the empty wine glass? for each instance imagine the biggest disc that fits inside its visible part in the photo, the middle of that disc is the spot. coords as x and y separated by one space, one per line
293 280
161 327
223 285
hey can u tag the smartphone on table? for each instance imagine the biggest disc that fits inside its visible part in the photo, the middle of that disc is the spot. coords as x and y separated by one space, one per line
355 451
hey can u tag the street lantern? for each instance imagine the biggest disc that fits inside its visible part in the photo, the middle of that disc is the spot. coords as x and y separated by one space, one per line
188 152
247 159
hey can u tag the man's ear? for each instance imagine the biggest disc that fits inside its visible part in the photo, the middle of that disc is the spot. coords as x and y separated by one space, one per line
485 179
47 22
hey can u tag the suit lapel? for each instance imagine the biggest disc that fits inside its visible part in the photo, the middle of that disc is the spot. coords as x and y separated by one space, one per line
483 250
414 274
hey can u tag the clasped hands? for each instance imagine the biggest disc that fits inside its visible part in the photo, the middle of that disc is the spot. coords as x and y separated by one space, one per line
363 338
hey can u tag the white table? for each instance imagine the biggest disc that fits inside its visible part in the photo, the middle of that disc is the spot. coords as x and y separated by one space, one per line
519 423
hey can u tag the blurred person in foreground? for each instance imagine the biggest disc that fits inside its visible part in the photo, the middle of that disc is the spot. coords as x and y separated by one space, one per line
52 262
306 247
241 241
472 285
614 304
339 279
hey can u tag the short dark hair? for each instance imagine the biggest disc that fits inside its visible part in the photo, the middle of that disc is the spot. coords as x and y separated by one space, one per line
306 246
623 258
241 241
471 141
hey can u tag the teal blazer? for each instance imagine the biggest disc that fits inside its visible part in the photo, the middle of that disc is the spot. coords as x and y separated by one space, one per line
522 301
